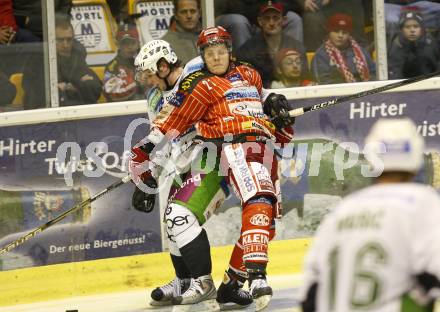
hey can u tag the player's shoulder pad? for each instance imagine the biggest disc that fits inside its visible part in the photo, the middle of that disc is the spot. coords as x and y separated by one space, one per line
188 83
243 63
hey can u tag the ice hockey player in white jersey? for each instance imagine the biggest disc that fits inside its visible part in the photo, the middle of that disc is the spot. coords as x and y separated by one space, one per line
379 249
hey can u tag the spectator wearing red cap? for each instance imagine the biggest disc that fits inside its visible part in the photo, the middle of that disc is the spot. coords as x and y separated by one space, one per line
239 17
261 49
184 29
316 12
340 58
412 51
119 83
288 70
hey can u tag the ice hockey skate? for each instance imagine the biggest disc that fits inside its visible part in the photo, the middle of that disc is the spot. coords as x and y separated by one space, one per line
200 289
231 295
261 292
163 295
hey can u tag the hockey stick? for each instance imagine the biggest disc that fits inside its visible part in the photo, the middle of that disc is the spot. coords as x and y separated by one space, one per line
302 110
49 223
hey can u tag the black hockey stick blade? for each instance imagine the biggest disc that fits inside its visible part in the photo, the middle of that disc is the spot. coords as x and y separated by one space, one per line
49 223
302 110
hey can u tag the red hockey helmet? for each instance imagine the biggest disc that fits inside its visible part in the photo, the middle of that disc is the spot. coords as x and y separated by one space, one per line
212 36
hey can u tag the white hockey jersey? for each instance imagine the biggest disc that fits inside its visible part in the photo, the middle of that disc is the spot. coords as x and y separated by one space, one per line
177 158
367 253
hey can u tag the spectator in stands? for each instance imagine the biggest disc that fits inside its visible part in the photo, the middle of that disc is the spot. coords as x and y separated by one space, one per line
315 13
77 83
288 70
261 49
340 58
119 9
184 29
119 81
430 10
9 30
239 17
8 27
412 52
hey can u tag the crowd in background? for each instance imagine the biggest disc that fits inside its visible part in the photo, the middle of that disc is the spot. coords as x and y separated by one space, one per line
290 42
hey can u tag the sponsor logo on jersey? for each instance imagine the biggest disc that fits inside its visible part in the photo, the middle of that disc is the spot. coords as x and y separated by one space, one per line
260 220
250 108
235 77
240 93
255 238
245 174
249 125
263 177
186 83
176 99
194 180
155 99
177 221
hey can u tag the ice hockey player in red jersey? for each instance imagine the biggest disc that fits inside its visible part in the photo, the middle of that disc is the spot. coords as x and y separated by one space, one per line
224 100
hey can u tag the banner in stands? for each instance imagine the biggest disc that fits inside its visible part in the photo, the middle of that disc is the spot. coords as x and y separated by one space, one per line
155 20
91 28
33 191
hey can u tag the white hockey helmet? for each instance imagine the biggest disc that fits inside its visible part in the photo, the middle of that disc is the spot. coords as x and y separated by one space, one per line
397 144
152 52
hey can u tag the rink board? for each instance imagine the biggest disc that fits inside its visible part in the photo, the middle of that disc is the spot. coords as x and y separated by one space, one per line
126 273
41 269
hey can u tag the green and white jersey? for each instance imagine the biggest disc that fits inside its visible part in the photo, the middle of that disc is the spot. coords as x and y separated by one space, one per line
368 252
177 157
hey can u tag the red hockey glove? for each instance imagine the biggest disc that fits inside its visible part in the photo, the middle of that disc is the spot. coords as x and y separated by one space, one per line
138 165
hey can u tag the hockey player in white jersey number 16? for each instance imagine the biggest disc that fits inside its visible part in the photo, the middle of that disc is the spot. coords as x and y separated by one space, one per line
379 249
189 204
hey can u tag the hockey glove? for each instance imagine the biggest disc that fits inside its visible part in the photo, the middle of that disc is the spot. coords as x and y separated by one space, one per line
277 108
144 202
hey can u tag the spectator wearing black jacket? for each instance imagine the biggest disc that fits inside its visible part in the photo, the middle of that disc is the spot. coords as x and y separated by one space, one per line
261 49
77 83
239 17
413 52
